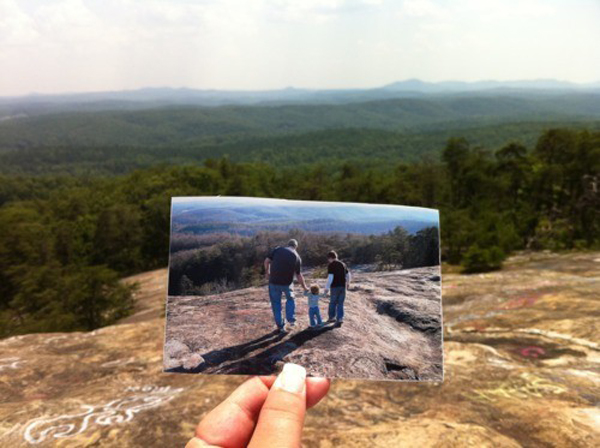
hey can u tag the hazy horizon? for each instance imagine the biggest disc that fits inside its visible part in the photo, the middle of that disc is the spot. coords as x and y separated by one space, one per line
594 84
84 46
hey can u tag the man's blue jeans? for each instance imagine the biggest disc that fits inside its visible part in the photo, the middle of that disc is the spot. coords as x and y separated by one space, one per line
314 316
275 292
336 303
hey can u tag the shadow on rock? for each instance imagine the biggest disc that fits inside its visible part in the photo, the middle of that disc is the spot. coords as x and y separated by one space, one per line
216 357
264 363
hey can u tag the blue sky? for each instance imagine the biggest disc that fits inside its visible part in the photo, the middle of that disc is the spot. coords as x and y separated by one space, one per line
53 46
334 210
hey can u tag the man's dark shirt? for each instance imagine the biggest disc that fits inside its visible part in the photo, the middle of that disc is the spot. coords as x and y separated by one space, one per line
285 261
339 271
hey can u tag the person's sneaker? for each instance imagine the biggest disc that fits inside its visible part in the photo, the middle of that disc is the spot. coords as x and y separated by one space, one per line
331 319
292 324
281 330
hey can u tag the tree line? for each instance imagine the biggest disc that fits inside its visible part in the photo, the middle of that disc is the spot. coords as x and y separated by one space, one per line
66 240
237 261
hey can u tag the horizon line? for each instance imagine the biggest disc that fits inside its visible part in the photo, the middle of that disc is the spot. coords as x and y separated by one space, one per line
573 84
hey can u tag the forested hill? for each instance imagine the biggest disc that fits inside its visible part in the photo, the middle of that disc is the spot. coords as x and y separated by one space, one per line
66 240
84 197
386 133
185 125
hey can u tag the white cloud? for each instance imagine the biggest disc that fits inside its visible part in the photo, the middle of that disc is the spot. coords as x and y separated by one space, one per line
498 9
477 9
67 45
16 27
421 8
68 22
316 11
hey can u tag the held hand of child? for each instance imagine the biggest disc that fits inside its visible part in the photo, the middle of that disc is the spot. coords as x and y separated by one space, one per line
263 412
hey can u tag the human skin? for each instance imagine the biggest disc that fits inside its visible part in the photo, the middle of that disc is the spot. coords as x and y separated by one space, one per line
264 412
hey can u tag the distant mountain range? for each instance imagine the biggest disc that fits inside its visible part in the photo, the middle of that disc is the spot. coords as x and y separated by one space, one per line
164 96
404 121
153 124
416 85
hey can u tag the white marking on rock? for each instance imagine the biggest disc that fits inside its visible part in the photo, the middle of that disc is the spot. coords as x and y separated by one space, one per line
121 410
118 362
10 363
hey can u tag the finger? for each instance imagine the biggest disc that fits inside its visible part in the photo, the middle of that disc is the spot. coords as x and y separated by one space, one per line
316 388
232 422
282 416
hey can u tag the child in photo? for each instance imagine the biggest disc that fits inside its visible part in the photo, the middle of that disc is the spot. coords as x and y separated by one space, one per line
313 306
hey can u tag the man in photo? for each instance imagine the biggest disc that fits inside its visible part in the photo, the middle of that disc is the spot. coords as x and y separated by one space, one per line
280 267
338 280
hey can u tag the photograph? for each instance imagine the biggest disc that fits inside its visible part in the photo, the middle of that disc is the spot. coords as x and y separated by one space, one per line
345 290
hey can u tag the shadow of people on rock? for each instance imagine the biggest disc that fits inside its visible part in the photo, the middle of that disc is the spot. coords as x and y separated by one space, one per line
263 363
216 357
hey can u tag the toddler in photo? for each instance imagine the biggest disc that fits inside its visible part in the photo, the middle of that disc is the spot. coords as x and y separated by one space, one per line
313 305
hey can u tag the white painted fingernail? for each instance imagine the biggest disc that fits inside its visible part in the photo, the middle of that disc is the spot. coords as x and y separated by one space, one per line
291 379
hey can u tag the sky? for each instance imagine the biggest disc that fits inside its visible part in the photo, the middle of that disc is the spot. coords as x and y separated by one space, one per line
339 210
58 46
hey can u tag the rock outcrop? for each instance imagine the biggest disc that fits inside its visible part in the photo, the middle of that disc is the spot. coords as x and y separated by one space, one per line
392 330
521 369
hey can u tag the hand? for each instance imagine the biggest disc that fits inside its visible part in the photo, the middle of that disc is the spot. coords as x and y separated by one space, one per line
263 412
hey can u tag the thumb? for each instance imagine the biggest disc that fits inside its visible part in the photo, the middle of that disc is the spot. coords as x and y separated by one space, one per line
282 416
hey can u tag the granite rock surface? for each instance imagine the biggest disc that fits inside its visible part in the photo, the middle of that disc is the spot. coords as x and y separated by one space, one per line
392 330
521 358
